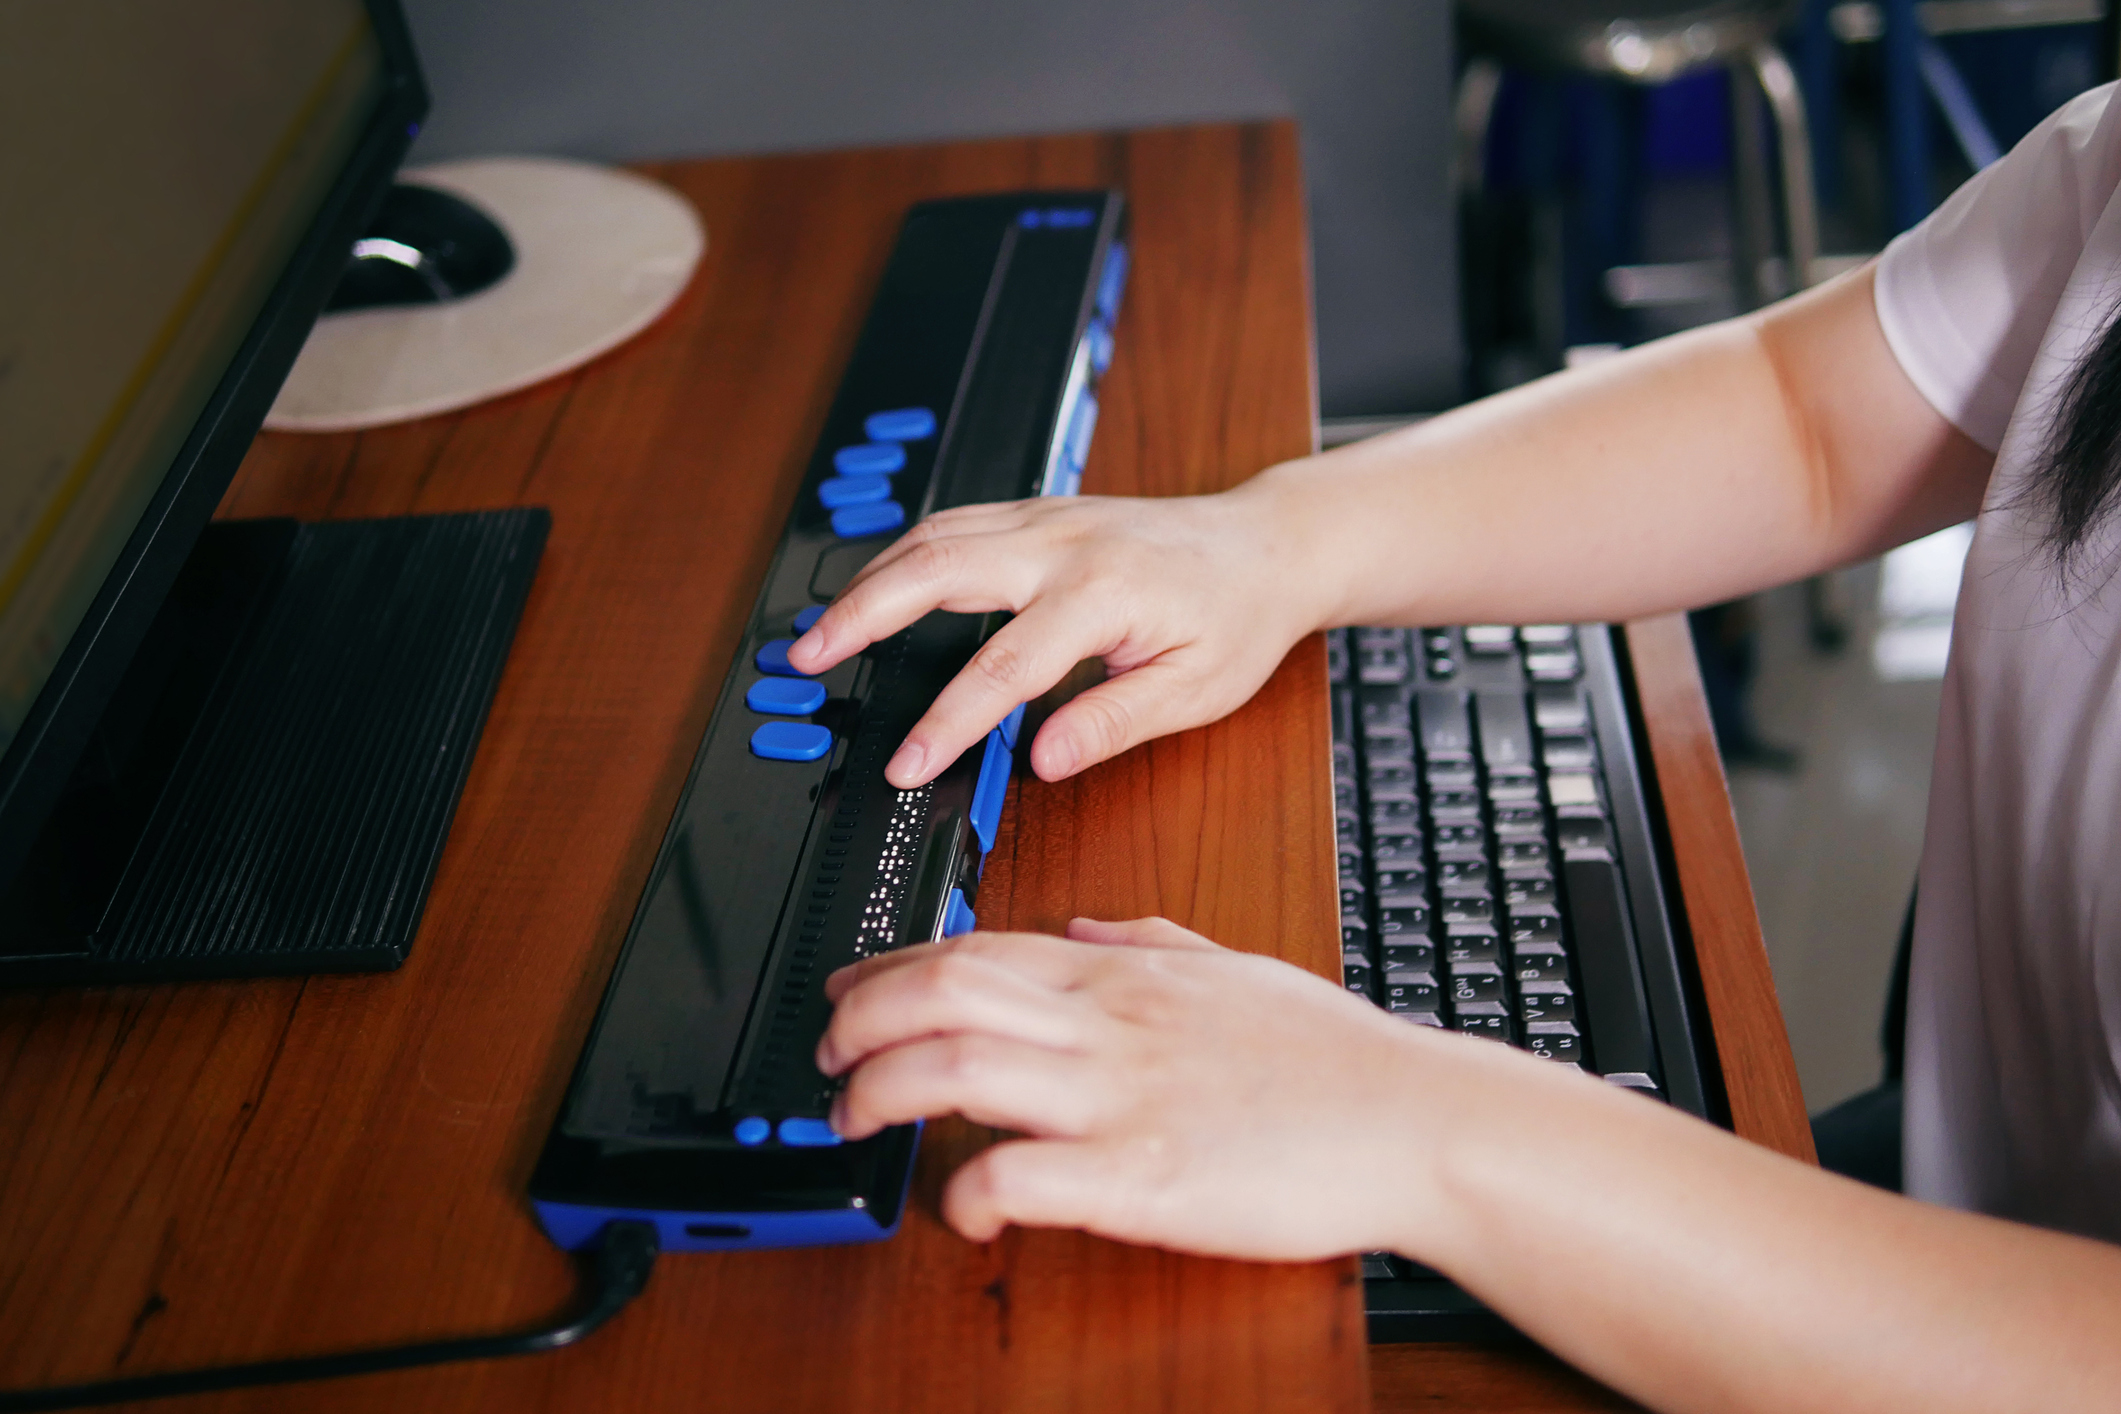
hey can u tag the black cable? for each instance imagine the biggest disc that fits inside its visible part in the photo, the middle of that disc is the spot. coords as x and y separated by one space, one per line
618 1273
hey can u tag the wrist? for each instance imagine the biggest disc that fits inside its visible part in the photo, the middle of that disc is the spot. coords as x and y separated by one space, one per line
1301 537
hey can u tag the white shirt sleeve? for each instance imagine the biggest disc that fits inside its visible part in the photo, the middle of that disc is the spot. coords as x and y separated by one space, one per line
1966 297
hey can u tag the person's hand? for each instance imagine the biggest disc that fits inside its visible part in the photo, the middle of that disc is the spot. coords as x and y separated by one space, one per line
1190 602
1174 1092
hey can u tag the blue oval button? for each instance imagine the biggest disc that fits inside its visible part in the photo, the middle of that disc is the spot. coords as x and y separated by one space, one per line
807 1133
809 616
872 519
900 425
869 459
791 741
785 697
1099 338
853 490
753 1129
773 658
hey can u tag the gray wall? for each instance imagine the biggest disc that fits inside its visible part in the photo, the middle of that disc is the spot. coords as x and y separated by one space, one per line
1368 80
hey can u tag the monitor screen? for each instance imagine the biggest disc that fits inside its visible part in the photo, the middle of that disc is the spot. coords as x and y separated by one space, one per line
182 152
182 181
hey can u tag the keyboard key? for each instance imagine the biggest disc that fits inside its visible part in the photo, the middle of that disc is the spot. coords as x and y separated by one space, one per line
854 522
1381 665
1584 839
1443 668
1540 970
1458 909
1556 1048
1523 854
1490 640
1352 896
869 459
1446 726
1356 978
1505 731
1530 894
1473 952
1477 993
1610 985
1347 826
1463 875
791 741
772 657
1390 815
900 425
1438 641
1566 788
853 491
1495 1027
1403 896
1551 1011
1547 635
1377 1266
1520 820
1403 880
1454 805
785 697
1351 866
1561 665
1535 933
1396 847
1405 962
1413 998
1461 837
1559 708
1392 781
1567 753
1394 921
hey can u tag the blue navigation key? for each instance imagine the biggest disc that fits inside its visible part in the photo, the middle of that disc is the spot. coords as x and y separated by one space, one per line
838 491
1012 725
957 915
991 791
900 425
773 658
869 459
753 1129
785 697
791 741
1099 338
807 617
808 1133
853 522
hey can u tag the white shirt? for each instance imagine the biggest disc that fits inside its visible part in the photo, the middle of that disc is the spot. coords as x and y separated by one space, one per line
2014 1018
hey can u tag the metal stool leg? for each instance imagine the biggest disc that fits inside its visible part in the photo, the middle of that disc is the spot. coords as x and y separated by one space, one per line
1800 199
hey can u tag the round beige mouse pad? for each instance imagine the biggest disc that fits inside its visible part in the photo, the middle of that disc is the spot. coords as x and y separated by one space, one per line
599 254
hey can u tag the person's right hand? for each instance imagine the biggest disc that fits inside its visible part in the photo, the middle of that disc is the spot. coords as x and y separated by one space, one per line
1190 602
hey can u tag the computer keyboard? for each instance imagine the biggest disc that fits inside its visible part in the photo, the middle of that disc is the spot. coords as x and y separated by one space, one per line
1499 873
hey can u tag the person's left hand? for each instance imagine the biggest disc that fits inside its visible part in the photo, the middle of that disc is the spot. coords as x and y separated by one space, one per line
1173 1092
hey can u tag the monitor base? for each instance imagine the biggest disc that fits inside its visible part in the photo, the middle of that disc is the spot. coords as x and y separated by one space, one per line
270 788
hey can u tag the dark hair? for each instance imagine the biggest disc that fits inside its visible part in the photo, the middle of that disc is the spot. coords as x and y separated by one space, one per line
2078 482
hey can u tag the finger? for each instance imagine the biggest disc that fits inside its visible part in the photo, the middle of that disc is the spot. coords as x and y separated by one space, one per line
988 1079
986 517
1049 961
1140 933
1029 654
1159 697
935 571
951 992
1033 1183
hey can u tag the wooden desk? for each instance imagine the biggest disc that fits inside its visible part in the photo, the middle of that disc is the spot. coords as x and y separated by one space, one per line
218 1172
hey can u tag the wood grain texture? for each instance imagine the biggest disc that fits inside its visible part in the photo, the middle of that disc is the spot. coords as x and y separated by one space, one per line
1495 1379
1752 1044
216 1172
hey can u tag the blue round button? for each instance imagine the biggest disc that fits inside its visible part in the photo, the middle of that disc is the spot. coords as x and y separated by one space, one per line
900 425
773 658
869 459
873 519
791 741
752 1129
785 697
853 490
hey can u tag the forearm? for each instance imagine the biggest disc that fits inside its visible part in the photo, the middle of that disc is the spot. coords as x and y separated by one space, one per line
1696 1272
1691 470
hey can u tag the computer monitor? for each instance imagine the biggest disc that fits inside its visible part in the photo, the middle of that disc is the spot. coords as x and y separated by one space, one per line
226 748
183 183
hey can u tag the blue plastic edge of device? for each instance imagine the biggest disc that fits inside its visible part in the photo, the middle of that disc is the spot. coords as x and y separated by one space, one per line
1112 283
574 1226
992 789
958 917
1012 725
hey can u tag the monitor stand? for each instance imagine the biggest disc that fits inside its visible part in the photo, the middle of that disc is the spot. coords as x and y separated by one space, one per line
269 790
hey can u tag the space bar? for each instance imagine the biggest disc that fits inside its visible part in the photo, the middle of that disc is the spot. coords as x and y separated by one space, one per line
1622 1049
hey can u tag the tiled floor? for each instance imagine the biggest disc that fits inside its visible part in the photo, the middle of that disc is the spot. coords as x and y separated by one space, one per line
1833 846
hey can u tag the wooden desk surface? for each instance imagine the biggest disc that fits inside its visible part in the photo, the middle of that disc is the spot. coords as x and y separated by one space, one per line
218 1172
